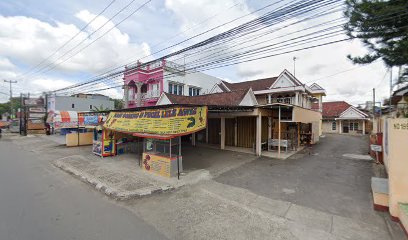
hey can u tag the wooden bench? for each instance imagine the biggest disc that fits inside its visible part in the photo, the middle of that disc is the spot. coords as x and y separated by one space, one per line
275 143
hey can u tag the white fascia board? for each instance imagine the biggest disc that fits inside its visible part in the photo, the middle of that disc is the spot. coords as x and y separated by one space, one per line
277 90
350 118
222 82
249 99
352 108
163 100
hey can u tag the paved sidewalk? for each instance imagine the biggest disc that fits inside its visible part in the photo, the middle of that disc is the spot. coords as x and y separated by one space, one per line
212 210
121 177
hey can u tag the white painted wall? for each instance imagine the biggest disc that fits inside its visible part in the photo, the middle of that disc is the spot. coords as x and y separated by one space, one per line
64 103
249 99
327 126
283 81
198 79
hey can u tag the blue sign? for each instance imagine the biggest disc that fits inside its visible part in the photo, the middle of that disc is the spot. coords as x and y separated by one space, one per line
91 120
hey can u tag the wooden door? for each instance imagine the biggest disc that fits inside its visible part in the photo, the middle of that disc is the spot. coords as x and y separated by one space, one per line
214 129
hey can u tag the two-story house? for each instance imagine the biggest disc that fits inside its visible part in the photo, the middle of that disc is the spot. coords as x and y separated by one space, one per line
259 115
144 83
284 88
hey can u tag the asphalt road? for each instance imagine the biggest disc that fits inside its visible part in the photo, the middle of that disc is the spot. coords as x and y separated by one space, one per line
325 180
38 201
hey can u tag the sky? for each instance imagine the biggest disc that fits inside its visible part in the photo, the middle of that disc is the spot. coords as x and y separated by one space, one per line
31 31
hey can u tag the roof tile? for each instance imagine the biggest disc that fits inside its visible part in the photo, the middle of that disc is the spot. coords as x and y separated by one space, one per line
334 109
232 98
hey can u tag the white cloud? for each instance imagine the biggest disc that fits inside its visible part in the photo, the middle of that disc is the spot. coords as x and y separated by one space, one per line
352 86
31 40
6 64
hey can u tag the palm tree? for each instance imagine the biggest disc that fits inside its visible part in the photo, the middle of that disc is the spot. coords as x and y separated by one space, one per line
99 109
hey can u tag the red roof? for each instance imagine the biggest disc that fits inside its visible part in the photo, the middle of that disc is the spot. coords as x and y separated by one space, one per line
334 109
256 85
232 98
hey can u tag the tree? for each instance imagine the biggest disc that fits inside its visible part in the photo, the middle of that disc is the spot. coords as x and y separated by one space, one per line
101 108
5 107
382 26
118 103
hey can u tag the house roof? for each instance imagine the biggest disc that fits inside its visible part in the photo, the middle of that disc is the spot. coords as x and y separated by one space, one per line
256 85
334 109
233 98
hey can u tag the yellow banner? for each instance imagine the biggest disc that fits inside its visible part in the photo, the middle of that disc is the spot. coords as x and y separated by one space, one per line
168 121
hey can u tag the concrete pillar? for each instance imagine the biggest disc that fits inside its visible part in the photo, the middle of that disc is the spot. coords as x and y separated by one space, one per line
193 139
223 133
206 134
139 94
269 98
258 141
340 127
297 98
269 127
125 96
363 126
320 103
236 132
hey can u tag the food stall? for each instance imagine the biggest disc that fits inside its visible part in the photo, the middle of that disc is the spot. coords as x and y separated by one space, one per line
103 142
162 156
161 130
77 127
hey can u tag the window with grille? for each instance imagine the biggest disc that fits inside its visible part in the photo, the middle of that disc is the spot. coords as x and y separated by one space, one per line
176 88
334 126
193 91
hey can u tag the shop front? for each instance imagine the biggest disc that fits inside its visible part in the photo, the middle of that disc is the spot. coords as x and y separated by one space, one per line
158 129
276 130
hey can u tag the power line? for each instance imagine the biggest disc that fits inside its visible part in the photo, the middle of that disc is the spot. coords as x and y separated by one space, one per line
260 21
67 42
228 61
54 64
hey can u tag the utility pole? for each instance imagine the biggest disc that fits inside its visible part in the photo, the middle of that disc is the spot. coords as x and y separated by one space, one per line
11 95
294 66
373 104
390 87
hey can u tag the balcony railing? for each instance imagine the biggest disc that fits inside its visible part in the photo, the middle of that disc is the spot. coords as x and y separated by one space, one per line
150 94
287 100
153 94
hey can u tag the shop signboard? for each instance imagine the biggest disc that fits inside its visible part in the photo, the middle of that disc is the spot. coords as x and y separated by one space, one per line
36 109
35 115
174 121
34 101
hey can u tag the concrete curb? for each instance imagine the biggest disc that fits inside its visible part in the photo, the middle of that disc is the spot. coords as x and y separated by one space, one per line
108 190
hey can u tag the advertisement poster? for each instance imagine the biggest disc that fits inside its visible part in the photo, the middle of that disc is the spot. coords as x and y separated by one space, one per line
169 121
34 102
91 118
97 148
157 164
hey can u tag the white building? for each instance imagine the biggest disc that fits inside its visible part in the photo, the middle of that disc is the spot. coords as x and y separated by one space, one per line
79 103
